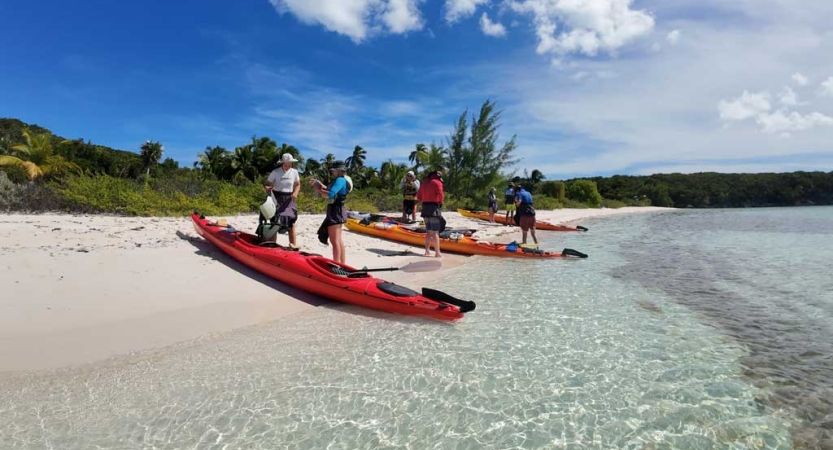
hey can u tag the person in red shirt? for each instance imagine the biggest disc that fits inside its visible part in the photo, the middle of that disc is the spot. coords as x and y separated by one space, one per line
431 195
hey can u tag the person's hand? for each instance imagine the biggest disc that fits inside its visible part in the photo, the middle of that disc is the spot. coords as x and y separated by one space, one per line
294 196
267 188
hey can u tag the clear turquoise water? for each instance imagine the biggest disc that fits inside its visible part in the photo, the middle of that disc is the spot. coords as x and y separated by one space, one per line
642 345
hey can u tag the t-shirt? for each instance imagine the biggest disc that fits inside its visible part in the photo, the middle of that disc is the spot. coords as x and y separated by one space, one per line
284 181
524 197
338 187
509 195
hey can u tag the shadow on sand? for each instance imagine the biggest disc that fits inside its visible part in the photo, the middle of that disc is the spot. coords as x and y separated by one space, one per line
207 249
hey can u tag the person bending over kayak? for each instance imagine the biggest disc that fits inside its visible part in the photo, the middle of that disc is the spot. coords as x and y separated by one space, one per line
431 195
336 216
285 184
492 205
409 186
509 202
523 201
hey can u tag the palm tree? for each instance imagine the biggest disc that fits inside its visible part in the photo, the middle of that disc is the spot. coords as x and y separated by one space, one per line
419 156
37 158
243 164
437 157
151 153
265 153
356 160
214 160
536 177
312 168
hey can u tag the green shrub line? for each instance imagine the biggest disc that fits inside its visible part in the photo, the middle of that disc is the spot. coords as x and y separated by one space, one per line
179 196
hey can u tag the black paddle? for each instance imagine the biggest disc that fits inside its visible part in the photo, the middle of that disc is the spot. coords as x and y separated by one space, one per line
571 252
433 294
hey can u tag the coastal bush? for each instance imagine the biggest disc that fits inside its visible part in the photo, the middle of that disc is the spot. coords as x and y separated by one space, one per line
27 196
585 191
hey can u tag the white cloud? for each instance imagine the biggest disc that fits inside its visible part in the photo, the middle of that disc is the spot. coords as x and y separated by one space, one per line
402 16
357 19
744 107
656 47
785 122
800 79
827 87
788 97
456 10
490 28
588 26
673 37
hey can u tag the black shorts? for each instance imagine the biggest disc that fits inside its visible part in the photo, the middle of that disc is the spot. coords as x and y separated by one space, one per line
336 214
433 223
409 206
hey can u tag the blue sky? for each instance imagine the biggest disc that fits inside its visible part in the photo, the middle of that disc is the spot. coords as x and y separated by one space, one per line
591 87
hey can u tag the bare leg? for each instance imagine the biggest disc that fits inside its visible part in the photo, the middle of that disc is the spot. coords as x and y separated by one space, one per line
338 244
532 231
524 235
435 239
428 240
292 240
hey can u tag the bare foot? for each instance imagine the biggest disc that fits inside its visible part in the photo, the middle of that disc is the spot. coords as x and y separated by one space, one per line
427 254
437 255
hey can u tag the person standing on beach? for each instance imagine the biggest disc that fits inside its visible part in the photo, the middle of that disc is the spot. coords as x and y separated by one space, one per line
285 184
431 195
523 201
492 205
336 216
509 202
409 186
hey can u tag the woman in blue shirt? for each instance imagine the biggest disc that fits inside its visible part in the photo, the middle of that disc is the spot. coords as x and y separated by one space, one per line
523 201
336 216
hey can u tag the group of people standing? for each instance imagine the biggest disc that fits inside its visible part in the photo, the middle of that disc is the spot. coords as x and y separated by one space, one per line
280 212
516 200
283 186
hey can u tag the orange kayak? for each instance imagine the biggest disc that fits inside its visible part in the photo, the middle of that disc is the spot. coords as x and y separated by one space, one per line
455 242
501 218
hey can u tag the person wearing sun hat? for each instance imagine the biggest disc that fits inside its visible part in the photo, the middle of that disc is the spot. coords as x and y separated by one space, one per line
283 185
409 186
336 194
492 199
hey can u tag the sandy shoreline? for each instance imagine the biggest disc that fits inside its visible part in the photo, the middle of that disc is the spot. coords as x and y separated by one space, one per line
81 288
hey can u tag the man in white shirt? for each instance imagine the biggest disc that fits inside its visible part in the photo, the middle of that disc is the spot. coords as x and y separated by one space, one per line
285 183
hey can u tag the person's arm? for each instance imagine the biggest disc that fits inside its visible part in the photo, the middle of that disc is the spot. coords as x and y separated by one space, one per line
337 185
401 183
270 183
296 186
440 193
420 194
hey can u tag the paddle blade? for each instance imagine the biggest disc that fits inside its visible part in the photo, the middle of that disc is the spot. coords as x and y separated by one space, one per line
422 266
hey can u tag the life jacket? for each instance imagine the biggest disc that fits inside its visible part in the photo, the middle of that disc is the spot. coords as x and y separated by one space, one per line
410 190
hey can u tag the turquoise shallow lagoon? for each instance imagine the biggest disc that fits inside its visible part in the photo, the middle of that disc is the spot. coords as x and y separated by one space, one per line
683 330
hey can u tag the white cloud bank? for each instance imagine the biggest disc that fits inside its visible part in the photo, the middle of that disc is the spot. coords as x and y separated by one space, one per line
490 28
758 106
673 37
800 79
357 19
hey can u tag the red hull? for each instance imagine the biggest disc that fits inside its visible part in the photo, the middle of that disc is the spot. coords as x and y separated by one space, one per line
313 273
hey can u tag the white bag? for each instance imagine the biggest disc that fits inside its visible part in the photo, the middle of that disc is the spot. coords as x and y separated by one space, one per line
269 207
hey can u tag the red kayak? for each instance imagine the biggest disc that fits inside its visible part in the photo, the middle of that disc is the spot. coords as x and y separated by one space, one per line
327 278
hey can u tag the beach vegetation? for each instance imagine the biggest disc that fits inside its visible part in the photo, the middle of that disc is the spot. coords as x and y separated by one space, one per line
44 172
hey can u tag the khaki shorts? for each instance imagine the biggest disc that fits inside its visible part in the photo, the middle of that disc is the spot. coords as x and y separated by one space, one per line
527 222
510 207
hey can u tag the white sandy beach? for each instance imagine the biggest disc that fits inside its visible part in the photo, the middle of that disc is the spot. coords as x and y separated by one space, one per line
80 288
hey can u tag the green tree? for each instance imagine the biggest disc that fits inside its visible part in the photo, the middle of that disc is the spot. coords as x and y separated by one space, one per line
264 154
554 189
37 158
356 160
214 160
585 191
243 165
418 157
151 153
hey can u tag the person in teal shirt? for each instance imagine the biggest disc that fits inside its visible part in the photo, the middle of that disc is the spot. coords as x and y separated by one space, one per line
336 216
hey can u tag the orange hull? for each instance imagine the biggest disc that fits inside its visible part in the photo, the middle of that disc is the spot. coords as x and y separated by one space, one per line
459 244
500 218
